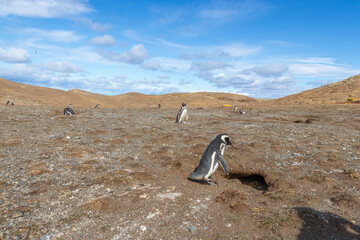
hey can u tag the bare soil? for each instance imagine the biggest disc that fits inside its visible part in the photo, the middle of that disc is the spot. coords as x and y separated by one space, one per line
122 173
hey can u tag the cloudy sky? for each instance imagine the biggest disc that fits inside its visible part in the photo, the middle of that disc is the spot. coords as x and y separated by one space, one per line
259 48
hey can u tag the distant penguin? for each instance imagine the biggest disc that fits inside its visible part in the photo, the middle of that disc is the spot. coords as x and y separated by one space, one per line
182 114
210 160
159 105
242 111
68 110
235 108
8 102
12 103
97 106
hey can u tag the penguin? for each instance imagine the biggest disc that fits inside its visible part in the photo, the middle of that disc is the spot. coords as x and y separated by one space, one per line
242 111
159 106
68 110
182 114
8 102
235 108
210 160
97 106
12 103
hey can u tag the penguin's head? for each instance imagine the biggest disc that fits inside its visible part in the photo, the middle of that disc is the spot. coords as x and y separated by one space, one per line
183 104
225 139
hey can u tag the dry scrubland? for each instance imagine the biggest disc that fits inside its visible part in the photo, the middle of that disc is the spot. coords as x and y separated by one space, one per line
122 173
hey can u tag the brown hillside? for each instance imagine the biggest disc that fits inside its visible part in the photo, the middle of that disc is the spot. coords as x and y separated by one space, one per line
337 92
23 94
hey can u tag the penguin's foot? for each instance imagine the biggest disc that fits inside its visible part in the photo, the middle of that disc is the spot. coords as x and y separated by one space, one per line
211 182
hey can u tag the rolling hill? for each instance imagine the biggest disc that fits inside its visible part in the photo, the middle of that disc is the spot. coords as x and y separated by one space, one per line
337 92
23 94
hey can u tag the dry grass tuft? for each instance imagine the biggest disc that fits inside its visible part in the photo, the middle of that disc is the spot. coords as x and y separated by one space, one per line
315 177
100 205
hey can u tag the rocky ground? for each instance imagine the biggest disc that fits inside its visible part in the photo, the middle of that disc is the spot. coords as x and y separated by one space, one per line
122 174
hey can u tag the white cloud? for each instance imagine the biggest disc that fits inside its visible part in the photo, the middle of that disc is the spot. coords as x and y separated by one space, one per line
316 60
173 64
44 8
228 10
239 50
14 55
164 76
63 67
136 55
207 65
151 65
217 13
55 35
272 70
321 70
19 72
105 41
235 50
95 25
171 44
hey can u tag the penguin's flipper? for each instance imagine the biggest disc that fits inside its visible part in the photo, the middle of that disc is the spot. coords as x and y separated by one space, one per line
178 117
222 162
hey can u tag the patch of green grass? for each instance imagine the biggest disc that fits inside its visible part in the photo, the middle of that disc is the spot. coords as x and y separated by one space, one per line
105 227
234 218
266 223
274 196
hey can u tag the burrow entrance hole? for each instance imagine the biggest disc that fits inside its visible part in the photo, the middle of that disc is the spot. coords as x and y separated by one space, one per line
256 181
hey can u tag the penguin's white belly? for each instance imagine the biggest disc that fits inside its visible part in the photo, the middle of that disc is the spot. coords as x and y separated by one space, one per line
216 165
213 166
183 116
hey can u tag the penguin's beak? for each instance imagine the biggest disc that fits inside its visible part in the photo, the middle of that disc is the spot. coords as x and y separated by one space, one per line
230 143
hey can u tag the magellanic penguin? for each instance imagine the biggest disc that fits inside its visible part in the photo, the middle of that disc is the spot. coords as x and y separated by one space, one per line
242 111
97 106
182 114
68 110
210 160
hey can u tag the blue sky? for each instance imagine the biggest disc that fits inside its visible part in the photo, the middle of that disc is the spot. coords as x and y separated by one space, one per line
259 48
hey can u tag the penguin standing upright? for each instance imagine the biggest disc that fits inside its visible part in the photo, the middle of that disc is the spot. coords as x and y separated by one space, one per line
68 110
182 114
210 160
97 105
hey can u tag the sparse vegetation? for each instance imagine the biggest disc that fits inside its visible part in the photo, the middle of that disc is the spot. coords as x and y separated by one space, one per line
119 176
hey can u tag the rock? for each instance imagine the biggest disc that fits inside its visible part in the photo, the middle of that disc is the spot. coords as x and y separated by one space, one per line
192 229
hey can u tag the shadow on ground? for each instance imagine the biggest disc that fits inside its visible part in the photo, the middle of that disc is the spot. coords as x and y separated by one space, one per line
325 225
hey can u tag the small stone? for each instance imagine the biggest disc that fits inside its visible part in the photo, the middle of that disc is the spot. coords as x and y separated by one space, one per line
143 228
228 225
192 229
18 214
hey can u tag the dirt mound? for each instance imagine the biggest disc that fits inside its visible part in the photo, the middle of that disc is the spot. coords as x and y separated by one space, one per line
338 92
23 94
